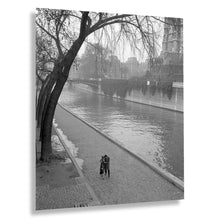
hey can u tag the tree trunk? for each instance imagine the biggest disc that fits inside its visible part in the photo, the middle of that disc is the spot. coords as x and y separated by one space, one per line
43 111
45 104
39 98
47 99
46 149
42 99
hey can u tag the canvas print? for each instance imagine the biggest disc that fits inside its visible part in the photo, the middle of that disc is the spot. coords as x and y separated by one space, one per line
109 108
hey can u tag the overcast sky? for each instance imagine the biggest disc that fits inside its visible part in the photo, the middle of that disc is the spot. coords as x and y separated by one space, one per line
123 50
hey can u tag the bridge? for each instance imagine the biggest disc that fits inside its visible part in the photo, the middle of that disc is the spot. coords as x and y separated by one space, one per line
89 82
110 86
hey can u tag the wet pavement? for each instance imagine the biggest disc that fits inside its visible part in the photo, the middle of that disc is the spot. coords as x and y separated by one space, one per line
131 180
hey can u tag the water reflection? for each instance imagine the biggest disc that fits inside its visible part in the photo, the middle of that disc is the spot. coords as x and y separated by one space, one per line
122 87
154 134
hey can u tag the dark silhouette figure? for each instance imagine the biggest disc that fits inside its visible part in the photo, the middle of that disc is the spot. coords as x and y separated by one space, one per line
106 163
101 172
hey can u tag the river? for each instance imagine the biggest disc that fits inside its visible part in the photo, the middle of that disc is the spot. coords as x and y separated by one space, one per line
154 134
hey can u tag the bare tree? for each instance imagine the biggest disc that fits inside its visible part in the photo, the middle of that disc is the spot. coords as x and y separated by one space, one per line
68 31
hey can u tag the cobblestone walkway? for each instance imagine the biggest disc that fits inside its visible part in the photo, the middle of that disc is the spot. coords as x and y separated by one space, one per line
131 180
63 197
59 184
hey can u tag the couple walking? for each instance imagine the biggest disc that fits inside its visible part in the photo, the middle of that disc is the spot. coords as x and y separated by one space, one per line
105 166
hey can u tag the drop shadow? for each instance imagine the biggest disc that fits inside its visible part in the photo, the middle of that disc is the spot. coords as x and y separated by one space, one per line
104 208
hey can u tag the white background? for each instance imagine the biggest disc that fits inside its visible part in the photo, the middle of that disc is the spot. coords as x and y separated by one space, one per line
201 81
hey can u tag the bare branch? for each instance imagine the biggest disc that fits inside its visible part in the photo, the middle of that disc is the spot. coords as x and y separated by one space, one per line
47 32
99 24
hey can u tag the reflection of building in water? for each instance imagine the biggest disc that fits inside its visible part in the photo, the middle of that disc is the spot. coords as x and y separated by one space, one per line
169 65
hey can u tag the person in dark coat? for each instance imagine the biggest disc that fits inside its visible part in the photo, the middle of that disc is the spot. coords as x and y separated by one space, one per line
106 162
101 166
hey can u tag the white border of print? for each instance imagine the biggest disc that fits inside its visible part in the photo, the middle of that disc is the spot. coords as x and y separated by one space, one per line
201 79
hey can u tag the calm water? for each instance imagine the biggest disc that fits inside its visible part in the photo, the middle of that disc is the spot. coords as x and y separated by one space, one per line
154 134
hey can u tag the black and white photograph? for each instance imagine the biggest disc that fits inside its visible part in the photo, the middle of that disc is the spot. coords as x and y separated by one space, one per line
109 108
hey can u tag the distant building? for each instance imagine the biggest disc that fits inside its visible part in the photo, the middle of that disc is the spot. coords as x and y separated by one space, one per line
169 65
134 68
113 67
172 46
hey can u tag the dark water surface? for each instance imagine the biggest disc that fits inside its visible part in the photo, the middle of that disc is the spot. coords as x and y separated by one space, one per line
154 134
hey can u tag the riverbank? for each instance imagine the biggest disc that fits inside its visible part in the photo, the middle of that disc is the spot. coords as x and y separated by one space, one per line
131 180
137 97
